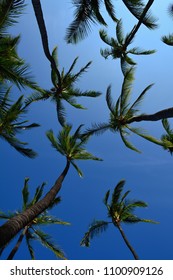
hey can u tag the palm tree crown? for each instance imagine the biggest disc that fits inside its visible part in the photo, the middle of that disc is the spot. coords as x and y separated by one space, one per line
122 112
12 67
32 231
63 89
119 47
71 146
120 210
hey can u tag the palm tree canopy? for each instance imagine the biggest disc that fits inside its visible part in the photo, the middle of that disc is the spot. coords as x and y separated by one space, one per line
119 47
120 210
64 88
121 113
33 231
167 138
71 146
12 67
11 124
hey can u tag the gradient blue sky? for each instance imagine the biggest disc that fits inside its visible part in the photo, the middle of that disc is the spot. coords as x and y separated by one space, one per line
148 175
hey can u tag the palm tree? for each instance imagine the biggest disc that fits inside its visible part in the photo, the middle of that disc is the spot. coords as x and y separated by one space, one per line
73 148
12 67
122 113
63 89
88 12
32 231
11 124
119 47
120 210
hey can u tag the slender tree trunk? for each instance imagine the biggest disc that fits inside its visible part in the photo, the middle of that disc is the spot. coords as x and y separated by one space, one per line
163 114
127 242
15 224
135 29
16 247
41 24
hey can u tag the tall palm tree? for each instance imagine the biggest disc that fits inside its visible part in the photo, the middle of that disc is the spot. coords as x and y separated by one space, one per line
88 11
11 124
122 113
12 67
120 210
73 148
63 89
32 231
119 47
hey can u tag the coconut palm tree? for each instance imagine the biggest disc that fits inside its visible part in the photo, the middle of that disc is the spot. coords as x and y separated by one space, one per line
73 148
63 89
32 231
120 210
11 124
12 67
119 47
122 113
88 12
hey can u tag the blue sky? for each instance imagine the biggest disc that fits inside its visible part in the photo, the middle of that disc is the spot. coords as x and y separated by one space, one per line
148 175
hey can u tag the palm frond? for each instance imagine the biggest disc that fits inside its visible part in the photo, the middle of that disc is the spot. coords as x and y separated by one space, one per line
119 32
168 40
29 238
95 228
117 192
137 8
105 200
126 89
127 143
9 12
77 169
46 241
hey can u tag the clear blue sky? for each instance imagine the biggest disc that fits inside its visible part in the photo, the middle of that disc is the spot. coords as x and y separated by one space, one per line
148 175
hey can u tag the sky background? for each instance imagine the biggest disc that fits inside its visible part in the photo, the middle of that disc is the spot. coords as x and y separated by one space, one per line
148 175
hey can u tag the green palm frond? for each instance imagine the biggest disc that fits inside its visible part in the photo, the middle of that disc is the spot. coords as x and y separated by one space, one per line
9 12
10 124
119 32
168 40
139 51
137 8
117 192
126 90
87 13
167 139
29 238
95 229
46 241
127 143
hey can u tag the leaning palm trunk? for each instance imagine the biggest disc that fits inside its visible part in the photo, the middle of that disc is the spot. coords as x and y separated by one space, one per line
127 242
163 114
41 24
15 224
16 247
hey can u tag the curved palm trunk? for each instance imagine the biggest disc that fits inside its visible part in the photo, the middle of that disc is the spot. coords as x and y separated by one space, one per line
15 224
41 24
127 242
163 114
135 29
16 247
